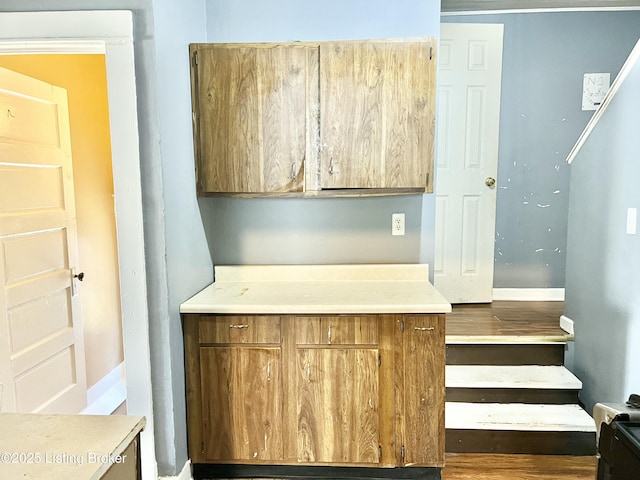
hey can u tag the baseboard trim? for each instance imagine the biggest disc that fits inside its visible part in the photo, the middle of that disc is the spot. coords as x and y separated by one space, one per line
202 471
185 474
108 394
529 294
566 324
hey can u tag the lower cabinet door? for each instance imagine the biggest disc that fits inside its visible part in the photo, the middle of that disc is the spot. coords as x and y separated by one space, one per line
424 389
337 405
241 403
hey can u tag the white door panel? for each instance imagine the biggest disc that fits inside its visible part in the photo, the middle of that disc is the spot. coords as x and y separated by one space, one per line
41 341
469 81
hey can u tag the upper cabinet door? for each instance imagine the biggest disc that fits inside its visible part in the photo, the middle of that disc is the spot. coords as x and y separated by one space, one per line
250 116
377 119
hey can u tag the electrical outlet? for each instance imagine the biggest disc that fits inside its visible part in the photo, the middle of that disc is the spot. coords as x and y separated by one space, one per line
397 224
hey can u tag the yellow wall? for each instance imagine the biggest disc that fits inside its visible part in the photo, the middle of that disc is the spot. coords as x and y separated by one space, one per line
84 78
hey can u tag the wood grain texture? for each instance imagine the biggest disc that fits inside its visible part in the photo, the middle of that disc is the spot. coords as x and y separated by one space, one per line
251 106
241 403
310 401
386 392
508 318
193 386
518 467
424 389
290 389
377 124
338 405
239 329
342 330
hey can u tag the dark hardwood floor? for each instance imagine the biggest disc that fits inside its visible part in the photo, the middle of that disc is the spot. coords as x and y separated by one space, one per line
507 319
463 466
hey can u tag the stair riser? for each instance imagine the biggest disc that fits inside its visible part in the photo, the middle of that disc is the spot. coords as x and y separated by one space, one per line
512 395
527 442
505 354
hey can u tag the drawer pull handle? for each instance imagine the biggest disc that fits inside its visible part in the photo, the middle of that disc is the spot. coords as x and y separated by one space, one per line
424 329
308 373
329 335
243 325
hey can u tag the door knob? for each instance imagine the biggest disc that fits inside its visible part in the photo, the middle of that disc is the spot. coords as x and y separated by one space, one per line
489 181
79 276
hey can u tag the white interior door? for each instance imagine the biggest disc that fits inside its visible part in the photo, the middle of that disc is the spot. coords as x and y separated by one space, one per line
41 342
469 81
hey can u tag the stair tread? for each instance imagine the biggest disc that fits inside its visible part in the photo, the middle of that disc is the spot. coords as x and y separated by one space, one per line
507 339
511 376
518 417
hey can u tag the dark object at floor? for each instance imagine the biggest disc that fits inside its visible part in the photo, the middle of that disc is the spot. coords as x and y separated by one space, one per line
619 449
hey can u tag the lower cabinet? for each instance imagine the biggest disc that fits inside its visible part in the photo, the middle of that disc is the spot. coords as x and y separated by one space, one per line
241 403
337 398
338 390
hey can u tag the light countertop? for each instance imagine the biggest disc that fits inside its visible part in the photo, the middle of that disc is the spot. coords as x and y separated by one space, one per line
64 447
319 289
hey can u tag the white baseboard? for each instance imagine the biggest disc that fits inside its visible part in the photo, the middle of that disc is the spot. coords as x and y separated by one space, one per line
108 394
566 324
529 294
185 474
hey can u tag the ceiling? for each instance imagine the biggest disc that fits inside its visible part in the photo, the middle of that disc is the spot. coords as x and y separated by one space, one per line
452 6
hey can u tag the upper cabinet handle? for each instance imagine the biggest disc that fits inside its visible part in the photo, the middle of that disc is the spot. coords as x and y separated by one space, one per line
293 171
239 326
332 167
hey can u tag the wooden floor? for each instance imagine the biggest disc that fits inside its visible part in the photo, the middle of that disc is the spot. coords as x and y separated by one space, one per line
505 321
463 466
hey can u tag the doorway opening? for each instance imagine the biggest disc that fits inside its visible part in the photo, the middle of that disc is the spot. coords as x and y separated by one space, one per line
111 34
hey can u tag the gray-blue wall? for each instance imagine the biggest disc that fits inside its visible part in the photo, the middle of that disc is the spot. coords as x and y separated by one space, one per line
352 230
177 263
544 59
603 262
186 266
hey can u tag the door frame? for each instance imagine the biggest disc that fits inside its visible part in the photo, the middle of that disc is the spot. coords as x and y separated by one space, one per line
109 33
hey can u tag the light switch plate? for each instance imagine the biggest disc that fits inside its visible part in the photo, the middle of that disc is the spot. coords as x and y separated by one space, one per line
632 221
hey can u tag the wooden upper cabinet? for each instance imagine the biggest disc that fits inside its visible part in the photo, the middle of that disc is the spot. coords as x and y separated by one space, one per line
330 118
250 107
377 122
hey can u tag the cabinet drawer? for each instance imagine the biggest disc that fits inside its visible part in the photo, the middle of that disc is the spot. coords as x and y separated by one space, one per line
239 329
339 330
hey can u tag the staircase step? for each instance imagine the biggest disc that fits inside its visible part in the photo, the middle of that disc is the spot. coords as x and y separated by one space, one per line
505 353
511 384
519 428
517 416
